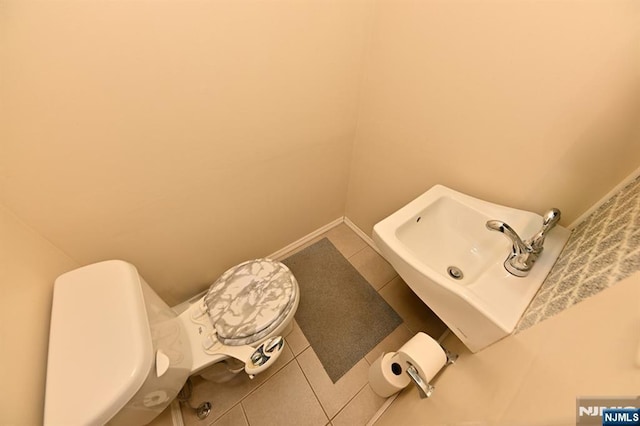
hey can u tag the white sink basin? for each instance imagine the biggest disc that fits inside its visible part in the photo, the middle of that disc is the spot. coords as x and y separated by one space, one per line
440 246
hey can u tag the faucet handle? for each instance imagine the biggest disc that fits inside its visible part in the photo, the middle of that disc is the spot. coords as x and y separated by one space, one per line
550 218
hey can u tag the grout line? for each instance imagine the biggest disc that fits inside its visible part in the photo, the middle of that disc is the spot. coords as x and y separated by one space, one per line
271 377
382 409
354 254
311 387
360 233
244 413
388 282
227 411
239 403
254 389
351 399
315 394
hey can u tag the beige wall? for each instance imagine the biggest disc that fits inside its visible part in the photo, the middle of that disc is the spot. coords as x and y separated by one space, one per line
182 136
534 377
188 136
525 103
28 266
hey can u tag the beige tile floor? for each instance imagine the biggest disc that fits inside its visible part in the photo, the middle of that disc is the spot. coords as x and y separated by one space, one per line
296 390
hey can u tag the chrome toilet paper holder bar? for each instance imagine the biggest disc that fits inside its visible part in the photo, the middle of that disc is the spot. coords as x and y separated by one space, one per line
425 389
451 357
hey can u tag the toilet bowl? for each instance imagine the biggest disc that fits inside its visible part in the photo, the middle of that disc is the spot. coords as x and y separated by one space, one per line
119 354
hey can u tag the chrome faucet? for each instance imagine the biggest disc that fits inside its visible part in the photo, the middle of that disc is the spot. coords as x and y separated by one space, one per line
524 253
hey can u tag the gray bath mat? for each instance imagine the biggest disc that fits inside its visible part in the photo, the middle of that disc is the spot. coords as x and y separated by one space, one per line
340 314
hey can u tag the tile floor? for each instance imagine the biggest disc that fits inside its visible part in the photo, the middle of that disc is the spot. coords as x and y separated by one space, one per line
296 390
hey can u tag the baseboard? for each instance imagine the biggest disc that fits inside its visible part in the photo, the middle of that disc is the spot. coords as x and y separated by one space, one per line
367 239
604 199
283 252
382 409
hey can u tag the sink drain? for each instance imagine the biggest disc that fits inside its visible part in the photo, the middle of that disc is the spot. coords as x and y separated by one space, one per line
455 273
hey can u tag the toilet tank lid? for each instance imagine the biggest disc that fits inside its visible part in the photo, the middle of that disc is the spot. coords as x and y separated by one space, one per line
100 347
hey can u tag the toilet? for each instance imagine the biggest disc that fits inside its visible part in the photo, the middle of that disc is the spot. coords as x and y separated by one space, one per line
119 354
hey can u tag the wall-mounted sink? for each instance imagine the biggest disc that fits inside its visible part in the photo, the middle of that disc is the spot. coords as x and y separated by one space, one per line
441 247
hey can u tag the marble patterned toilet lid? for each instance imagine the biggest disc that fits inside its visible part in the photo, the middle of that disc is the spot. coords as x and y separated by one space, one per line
250 300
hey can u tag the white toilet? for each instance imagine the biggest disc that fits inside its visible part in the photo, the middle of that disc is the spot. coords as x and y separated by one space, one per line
119 354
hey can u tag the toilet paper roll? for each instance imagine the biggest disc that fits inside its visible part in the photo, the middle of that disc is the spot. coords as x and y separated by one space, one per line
425 354
387 376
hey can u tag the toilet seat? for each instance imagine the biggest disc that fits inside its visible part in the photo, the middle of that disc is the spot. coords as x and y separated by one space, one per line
250 300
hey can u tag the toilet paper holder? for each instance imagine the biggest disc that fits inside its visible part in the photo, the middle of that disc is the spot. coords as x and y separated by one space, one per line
425 389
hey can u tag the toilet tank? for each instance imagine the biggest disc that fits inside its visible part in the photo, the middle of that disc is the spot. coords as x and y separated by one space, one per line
117 352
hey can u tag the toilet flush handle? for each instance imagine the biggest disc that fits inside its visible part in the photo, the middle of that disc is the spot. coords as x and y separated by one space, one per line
264 356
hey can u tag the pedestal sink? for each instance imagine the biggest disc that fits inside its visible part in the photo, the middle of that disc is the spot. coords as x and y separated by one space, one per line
440 246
